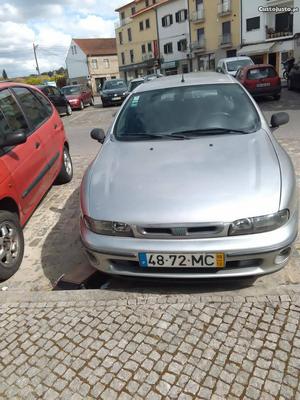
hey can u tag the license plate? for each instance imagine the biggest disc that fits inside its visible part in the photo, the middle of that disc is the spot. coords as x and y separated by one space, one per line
195 260
116 98
263 84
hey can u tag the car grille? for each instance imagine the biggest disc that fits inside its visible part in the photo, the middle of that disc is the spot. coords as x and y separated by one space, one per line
182 232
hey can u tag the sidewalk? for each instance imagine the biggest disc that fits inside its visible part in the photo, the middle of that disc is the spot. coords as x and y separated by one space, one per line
63 345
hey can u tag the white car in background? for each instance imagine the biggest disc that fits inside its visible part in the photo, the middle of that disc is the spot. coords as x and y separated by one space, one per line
232 64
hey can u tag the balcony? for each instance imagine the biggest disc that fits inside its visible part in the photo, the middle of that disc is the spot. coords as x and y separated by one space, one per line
224 8
225 40
273 34
123 22
199 45
148 56
198 16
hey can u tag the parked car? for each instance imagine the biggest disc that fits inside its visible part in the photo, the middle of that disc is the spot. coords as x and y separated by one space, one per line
34 152
190 183
57 98
135 83
260 80
294 77
78 96
153 76
232 64
114 91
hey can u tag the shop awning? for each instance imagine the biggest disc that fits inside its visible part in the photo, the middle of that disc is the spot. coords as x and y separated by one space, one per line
253 49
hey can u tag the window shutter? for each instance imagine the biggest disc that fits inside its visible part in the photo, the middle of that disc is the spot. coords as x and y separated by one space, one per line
179 45
163 22
185 14
171 19
177 16
165 48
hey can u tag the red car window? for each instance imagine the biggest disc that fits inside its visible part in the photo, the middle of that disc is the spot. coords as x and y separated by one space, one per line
14 118
261 73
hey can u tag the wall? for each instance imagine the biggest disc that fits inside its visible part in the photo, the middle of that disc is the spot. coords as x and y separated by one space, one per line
175 32
77 63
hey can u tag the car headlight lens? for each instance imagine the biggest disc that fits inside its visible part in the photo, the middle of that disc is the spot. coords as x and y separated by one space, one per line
265 223
109 228
125 93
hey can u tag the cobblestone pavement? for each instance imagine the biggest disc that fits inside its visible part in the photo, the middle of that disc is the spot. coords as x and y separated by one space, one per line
151 348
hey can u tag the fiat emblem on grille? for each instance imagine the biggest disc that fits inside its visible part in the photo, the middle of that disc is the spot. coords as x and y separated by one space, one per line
179 231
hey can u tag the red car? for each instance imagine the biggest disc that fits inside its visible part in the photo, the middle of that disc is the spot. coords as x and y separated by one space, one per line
78 96
260 80
34 152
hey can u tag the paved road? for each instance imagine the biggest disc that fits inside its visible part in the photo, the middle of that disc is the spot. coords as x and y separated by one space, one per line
52 239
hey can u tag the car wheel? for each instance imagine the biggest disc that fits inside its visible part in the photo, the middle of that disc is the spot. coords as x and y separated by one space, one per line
104 104
68 110
81 105
277 97
66 173
11 244
289 84
92 102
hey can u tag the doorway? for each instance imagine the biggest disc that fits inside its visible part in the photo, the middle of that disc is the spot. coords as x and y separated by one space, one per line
272 59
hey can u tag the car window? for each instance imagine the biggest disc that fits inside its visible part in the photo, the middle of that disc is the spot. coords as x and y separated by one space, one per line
55 91
69 90
261 73
35 111
133 85
188 108
235 65
45 102
114 84
11 116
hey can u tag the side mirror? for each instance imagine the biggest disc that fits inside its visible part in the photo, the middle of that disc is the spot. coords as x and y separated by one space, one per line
13 139
219 69
279 119
98 134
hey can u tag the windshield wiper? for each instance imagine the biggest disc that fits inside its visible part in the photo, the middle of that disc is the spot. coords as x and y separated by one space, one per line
144 136
210 131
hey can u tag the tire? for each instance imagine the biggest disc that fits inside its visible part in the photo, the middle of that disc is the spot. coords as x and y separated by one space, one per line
11 247
285 75
289 84
68 110
277 97
66 173
81 105
92 102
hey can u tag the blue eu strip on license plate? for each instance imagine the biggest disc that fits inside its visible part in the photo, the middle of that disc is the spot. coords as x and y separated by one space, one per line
143 260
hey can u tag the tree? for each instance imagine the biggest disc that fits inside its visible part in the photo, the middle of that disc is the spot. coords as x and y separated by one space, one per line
4 75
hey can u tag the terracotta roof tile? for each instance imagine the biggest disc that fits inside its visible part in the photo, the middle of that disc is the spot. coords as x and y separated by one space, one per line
97 46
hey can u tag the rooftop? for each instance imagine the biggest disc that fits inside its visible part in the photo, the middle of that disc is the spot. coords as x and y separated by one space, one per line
97 46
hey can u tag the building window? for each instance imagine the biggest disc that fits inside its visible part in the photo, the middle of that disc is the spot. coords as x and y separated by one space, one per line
131 56
74 50
120 38
122 15
129 34
168 48
199 5
146 3
94 63
181 16
141 25
253 23
132 10
106 63
167 20
143 49
200 35
185 68
150 47
182 45
123 58
147 23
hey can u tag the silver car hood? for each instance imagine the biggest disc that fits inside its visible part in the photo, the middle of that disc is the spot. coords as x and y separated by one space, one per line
208 179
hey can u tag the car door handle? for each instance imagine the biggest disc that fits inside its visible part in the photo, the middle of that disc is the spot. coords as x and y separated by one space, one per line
37 145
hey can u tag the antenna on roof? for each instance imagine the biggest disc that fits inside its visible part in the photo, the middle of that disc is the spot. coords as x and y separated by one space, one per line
182 78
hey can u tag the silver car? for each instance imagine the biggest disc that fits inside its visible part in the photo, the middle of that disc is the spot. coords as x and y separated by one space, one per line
189 183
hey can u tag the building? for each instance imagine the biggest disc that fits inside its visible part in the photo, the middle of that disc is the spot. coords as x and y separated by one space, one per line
215 31
174 36
137 38
269 30
92 61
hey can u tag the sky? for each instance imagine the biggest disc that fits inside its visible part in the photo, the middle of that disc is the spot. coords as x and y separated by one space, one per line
50 24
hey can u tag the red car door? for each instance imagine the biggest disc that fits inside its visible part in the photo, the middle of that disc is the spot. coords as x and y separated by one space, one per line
25 162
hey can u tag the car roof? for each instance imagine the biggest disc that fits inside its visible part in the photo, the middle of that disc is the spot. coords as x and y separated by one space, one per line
7 84
256 66
137 80
235 58
190 79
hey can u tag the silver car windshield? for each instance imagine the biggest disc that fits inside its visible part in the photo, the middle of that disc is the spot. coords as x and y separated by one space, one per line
196 110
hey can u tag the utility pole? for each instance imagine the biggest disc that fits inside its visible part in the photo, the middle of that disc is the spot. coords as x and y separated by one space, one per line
35 46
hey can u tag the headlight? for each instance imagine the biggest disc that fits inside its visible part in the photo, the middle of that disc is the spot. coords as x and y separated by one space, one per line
265 223
125 93
109 228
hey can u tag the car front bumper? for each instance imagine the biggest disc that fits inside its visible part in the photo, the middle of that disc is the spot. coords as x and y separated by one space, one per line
246 255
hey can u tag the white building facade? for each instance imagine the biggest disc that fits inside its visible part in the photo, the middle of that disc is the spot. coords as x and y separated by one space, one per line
269 31
77 65
174 36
